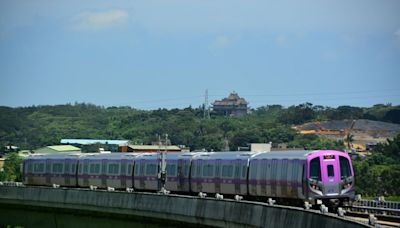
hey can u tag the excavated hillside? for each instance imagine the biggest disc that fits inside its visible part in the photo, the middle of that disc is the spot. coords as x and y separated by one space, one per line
363 132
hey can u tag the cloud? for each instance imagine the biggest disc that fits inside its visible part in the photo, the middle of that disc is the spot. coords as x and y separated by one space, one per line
99 20
281 40
220 42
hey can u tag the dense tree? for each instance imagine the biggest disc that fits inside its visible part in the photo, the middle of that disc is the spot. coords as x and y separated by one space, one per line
379 174
37 126
12 168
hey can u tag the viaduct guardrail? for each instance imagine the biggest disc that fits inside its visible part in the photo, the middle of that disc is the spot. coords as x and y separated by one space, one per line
178 208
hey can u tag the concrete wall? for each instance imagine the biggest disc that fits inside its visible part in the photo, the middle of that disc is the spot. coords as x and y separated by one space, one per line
210 212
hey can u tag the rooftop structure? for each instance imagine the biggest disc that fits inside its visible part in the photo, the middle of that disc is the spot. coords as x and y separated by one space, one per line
93 141
57 149
233 105
149 148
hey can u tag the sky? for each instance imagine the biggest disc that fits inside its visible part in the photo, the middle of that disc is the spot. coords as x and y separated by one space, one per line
166 53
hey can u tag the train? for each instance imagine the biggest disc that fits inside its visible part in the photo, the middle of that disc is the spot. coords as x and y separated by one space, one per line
299 176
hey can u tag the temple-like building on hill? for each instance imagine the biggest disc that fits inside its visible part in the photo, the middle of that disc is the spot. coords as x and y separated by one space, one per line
233 105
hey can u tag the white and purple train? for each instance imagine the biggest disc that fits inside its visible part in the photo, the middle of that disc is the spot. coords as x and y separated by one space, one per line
284 175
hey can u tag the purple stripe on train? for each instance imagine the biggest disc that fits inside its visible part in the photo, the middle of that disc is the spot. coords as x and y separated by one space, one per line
218 181
276 183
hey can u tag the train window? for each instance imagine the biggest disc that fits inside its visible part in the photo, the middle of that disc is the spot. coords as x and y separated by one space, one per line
345 170
206 170
80 168
210 170
331 173
171 169
85 168
48 167
57 167
129 169
244 172
94 168
38 167
113 168
30 167
151 169
237 172
137 169
66 167
227 170
217 170
73 169
315 169
198 170
186 170
141 171
123 168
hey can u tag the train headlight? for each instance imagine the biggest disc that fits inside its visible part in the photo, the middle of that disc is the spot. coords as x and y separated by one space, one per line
315 186
347 185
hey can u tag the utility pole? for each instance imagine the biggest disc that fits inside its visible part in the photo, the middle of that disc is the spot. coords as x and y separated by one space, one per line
206 111
162 175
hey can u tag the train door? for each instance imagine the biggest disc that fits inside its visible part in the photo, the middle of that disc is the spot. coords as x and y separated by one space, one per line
330 171
48 171
199 178
181 175
217 176
103 175
67 167
236 178
330 174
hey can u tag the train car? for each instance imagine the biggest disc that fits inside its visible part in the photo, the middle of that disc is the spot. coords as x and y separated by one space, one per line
177 171
330 175
302 175
49 169
107 170
220 172
295 175
278 174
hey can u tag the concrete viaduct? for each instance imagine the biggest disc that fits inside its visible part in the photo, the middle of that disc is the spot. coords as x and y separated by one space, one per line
189 210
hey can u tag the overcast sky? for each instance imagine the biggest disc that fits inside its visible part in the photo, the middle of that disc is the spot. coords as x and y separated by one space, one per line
162 53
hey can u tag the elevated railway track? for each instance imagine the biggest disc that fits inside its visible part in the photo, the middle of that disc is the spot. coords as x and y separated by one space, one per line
384 214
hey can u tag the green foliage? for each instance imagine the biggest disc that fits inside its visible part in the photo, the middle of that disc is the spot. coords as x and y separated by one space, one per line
313 142
379 174
12 168
37 126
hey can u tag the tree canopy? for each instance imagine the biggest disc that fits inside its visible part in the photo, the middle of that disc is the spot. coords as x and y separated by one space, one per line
37 126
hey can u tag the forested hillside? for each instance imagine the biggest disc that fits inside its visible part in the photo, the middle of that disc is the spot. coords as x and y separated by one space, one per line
36 126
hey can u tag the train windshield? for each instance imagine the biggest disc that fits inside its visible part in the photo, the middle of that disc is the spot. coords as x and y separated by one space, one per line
344 167
331 173
315 169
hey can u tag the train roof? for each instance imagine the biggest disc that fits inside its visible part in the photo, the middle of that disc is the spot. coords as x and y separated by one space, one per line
54 156
171 155
229 155
97 156
285 154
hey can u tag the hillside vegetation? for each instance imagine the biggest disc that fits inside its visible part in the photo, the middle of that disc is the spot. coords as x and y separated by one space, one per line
37 126
33 127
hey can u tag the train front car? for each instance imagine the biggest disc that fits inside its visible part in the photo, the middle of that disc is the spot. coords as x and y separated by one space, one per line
330 177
